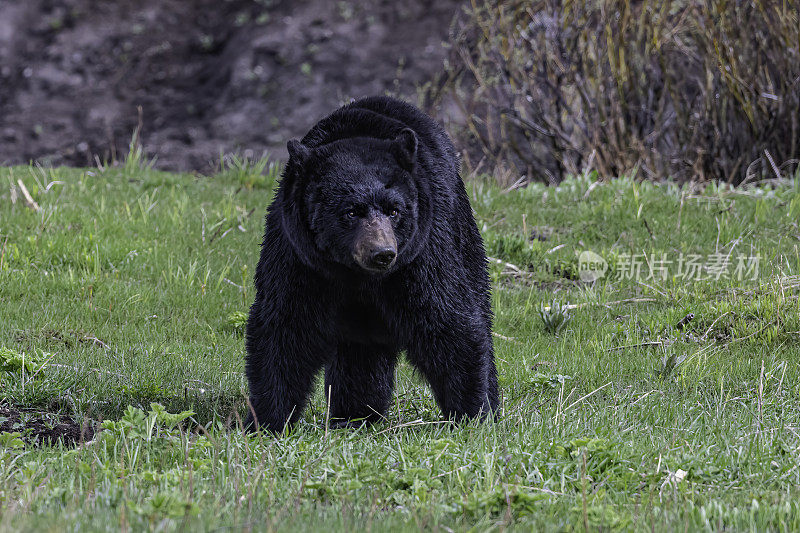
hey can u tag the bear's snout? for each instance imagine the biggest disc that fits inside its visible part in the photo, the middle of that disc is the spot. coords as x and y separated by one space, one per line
375 249
383 258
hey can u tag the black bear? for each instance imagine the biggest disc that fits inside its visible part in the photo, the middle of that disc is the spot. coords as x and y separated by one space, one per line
370 249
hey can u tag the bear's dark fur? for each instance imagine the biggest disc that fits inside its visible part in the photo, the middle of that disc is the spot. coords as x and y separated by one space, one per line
370 249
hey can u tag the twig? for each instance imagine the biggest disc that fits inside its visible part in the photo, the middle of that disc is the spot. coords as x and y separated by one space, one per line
628 301
203 225
95 340
645 395
512 266
328 414
598 389
772 164
46 363
3 253
703 337
589 189
516 185
234 284
662 293
221 236
583 491
29 201
98 370
570 307
651 343
761 396
647 227
462 467
197 381
418 422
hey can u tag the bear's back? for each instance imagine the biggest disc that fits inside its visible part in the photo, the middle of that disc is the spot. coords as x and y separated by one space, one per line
383 117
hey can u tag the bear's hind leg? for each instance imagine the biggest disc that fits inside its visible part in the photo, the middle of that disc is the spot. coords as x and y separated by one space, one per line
358 384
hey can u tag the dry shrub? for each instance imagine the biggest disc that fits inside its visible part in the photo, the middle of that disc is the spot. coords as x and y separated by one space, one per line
690 90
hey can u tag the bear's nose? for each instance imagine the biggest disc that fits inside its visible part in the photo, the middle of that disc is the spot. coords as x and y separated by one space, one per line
383 258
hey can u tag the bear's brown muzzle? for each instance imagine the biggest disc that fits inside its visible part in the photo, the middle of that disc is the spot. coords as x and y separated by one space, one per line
375 248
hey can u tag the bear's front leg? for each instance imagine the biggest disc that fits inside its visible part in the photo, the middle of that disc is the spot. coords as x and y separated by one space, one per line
358 384
282 362
458 362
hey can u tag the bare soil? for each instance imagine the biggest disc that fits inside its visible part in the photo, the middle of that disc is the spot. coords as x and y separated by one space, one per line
43 428
210 76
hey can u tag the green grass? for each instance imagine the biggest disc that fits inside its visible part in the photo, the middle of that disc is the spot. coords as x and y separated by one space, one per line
128 287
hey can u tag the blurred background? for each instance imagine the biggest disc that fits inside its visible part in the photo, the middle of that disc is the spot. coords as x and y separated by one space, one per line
210 76
531 90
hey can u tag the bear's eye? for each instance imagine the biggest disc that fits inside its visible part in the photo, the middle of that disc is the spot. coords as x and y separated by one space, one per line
351 214
393 213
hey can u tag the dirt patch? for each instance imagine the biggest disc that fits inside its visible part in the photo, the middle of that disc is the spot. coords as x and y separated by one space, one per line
68 338
42 428
210 76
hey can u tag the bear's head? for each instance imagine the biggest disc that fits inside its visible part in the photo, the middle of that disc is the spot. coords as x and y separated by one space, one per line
352 202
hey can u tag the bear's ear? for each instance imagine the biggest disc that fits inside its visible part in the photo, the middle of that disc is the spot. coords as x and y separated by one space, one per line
298 152
404 148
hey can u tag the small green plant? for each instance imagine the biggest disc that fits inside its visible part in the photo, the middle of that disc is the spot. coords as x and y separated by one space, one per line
237 320
549 381
145 425
136 160
14 364
519 501
668 365
11 440
554 317
248 171
511 247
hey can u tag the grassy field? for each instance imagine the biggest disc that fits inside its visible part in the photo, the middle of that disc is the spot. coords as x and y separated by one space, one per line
662 396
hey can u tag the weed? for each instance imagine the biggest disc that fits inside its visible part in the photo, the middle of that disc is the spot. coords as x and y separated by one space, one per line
250 172
15 365
549 381
237 320
136 159
669 363
554 317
